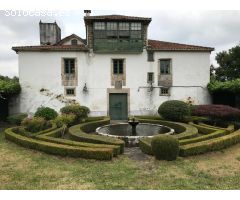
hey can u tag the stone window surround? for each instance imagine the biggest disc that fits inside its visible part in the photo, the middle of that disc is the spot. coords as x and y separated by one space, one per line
164 75
69 95
118 77
159 62
148 81
164 94
118 91
63 75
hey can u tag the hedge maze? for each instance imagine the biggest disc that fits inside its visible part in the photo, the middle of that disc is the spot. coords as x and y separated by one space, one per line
195 138
50 141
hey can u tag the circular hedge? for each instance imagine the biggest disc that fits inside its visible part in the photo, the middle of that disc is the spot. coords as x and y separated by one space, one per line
165 147
174 110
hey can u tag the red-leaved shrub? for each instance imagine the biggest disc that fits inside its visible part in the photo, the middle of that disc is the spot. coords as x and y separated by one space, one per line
221 112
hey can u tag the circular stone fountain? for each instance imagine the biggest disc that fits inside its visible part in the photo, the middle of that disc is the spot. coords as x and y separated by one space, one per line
132 131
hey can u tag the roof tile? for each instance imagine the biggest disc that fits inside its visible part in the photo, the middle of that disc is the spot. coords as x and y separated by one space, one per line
170 46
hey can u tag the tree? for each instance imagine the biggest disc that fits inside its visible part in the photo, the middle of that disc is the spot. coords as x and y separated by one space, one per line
9 87
229 64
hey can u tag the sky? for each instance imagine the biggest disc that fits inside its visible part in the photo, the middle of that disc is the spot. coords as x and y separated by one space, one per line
218 29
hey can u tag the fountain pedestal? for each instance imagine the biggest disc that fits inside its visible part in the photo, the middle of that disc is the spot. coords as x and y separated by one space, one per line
133 124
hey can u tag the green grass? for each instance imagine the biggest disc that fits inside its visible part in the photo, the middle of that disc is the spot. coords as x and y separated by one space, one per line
22 168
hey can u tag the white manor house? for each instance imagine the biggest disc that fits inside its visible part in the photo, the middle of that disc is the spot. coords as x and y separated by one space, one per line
116 71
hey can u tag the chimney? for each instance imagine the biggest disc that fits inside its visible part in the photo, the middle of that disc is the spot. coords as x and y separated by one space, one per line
87 12
50 33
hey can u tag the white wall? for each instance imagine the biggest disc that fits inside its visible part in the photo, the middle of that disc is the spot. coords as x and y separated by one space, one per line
43 70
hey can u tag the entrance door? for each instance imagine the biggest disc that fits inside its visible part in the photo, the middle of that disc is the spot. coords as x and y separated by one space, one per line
118 109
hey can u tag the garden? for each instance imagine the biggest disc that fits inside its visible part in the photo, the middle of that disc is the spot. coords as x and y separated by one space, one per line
194 157
197 129
62 150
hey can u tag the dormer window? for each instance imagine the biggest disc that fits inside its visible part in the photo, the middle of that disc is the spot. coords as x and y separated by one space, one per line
74 42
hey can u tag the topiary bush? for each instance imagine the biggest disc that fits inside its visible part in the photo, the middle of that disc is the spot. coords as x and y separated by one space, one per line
174 110
35 124
165 147
64 119
81 112
16 119
46 113
217 112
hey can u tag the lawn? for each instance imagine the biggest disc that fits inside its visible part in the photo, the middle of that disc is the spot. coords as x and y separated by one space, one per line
21 168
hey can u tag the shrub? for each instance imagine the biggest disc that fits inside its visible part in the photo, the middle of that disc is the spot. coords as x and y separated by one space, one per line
64 119
59 149
81 132
210 145
145 145
217 112
46 113
81 112
174 110
35 124
16 119
165 147
181 130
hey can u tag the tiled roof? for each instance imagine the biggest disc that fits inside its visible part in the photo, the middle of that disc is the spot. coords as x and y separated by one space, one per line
51 48
117 17
69 38
170 46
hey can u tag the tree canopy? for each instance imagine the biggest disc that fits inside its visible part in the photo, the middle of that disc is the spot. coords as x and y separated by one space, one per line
9 86
229 64
231 86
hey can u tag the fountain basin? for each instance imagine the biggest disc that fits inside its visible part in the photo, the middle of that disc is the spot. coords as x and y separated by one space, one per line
124 131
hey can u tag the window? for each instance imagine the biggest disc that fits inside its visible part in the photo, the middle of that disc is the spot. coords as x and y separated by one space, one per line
164 91
150 77
69 66
124 26
165 66
118 66
150 56
74 42
136 26
70 91
99 25
111 26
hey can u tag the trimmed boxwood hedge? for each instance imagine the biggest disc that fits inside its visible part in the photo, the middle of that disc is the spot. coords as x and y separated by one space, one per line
22 131
214 134
229 128
59 149
145 145
52 137
204 129
183 130
80 133
165 147
210 145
